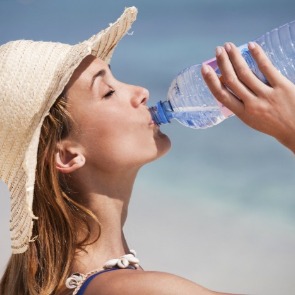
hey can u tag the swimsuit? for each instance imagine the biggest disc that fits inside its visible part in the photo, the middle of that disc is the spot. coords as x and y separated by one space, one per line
88 280
80 282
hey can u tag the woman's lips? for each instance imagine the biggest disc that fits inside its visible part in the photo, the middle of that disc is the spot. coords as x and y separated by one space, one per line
152 122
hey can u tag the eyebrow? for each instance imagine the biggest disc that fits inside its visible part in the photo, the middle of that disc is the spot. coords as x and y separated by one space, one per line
100 73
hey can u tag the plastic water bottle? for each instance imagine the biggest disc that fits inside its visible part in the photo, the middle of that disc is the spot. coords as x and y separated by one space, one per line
189 99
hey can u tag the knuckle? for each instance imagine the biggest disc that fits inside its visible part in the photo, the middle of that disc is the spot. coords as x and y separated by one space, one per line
256 109
221 94
263 65
252 109
243 72
230 80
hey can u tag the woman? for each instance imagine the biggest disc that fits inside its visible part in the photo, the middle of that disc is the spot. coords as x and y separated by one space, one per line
73 140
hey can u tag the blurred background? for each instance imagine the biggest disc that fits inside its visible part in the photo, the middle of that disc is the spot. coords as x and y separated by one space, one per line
219 209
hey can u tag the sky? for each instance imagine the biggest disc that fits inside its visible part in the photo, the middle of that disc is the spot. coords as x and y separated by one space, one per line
219 208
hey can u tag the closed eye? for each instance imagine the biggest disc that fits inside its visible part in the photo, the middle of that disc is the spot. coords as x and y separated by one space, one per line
109 94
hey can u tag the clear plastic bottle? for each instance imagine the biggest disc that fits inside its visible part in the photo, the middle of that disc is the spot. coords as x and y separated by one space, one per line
189 99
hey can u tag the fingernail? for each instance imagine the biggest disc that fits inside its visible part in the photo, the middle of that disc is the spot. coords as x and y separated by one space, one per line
251 45
218 50
205 69
227 47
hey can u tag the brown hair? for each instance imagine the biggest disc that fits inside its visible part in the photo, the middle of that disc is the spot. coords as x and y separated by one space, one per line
44 267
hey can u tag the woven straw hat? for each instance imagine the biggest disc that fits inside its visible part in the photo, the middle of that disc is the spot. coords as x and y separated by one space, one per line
32 76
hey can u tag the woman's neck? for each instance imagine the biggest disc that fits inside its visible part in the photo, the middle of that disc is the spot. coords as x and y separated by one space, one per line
107 197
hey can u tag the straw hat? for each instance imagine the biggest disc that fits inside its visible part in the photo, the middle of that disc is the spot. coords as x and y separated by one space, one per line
32 76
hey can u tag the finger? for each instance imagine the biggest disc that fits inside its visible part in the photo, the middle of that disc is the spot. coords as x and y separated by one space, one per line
222 94
273 76
243 72
229 76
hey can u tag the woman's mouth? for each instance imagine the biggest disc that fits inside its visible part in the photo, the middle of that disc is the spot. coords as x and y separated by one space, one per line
152 122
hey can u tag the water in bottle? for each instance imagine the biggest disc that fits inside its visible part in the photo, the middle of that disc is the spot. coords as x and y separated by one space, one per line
189 99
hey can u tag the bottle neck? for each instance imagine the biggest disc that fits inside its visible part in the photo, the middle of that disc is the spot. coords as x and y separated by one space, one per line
161 112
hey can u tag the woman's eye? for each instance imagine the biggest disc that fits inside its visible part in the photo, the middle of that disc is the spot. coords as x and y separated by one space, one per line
109 94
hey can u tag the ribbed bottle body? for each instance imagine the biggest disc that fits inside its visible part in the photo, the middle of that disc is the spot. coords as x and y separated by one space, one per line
279 45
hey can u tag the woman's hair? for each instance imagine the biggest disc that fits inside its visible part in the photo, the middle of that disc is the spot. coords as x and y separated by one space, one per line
44 267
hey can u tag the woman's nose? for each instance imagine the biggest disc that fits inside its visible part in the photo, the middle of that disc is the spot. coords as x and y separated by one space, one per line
140 96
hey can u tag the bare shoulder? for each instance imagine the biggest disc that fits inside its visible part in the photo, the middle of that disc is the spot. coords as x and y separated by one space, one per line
132 282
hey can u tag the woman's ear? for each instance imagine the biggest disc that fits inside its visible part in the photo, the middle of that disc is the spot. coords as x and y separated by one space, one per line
68 158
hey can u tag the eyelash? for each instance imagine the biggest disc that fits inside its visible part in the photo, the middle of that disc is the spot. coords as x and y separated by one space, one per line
109 94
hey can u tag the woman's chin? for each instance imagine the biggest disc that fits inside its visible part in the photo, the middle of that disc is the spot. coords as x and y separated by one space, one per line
163 143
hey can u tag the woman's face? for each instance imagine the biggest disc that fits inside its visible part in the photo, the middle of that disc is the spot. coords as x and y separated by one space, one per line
112 123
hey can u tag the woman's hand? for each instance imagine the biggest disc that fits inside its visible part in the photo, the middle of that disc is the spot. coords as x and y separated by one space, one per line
269 108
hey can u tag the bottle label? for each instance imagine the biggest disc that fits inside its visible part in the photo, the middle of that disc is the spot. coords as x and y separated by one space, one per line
213 64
